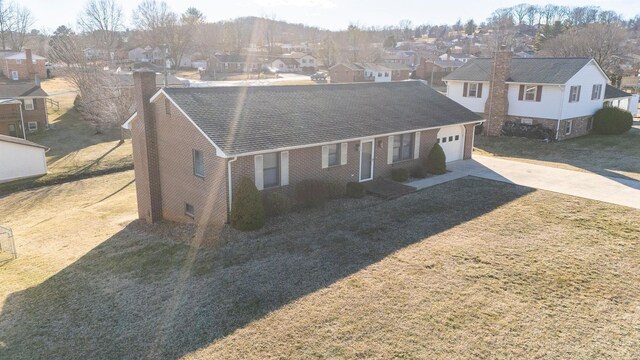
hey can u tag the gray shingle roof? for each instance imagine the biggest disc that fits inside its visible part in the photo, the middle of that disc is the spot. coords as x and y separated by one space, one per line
21 89
524 70
20 141
251 119
612 92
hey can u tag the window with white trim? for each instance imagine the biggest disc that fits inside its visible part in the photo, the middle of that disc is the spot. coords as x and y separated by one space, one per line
567 127
403 147
574 94
334 155
198 163
472 89
271 170
596 92
18 61
530 93
28 104
32 126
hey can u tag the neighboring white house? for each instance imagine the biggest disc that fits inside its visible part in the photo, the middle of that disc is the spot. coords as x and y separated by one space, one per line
137 54
306 61
614 97
286 64
377 72
20 159
560 93
455 57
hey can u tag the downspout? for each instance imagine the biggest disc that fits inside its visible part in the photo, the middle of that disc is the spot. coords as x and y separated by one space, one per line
561 108
24 133
230 188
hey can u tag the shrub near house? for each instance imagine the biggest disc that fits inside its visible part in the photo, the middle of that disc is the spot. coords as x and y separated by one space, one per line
436 161
612 121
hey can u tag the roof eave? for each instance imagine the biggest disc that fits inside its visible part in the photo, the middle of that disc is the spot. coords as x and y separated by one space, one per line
250 153
219 151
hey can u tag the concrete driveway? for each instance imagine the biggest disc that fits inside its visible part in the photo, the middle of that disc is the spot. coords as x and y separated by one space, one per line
586 185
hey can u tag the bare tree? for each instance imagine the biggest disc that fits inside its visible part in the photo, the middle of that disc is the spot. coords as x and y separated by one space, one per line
520 12
152 17
179 33
598 41
328 52
503 30
6 18
533 12
103 100
102 20
22 21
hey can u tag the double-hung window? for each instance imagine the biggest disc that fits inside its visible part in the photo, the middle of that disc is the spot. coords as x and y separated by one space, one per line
530 93
403 147
28 104
574 94
472 90
334 155
596 92
271 170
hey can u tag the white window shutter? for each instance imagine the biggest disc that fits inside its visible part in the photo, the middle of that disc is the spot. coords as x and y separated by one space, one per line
416 145
258 172
344 151
390 150
325 157
284 168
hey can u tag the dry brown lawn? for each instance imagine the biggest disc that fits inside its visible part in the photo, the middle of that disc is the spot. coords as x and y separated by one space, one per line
467 269
75 148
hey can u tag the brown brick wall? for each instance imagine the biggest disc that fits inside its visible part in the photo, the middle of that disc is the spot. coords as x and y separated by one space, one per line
400 75
179 185
306 163
9 114
468 140
342 74
11 65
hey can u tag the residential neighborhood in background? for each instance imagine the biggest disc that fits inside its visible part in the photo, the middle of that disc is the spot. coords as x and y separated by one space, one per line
180 182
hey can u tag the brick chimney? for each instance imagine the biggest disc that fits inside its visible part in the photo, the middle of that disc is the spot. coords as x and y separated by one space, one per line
29 62
145 149
497 105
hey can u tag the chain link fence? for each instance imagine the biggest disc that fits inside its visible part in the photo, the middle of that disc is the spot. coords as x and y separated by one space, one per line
7 244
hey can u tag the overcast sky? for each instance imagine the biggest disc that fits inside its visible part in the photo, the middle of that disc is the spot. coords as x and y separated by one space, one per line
328 14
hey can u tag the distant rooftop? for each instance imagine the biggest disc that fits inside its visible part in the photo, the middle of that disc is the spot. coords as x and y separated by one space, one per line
524 70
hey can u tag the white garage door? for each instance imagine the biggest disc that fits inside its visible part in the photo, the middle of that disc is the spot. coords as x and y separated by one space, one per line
451 139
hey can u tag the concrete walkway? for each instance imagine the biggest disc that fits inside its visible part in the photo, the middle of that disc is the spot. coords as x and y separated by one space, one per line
586 185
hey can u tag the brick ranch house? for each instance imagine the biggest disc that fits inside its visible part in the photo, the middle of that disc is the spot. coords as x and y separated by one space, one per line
562 94
192 146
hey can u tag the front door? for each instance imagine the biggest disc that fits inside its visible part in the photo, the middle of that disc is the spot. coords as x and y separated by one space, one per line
366 160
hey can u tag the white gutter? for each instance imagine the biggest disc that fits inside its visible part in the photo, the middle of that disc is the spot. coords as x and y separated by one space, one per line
353 139
230 182
24 133
562 89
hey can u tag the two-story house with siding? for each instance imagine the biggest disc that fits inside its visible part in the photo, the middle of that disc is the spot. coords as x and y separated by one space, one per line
562 94
192 146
